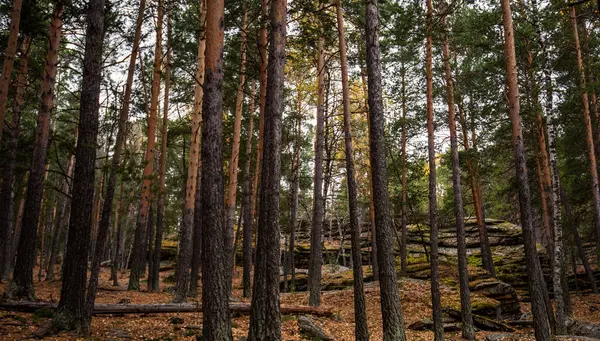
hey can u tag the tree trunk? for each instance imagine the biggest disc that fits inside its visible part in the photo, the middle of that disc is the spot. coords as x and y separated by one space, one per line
235 154
246 212
9 59
265 319
216 320
16 231
117 252
185 234
22 282
393 324
197 236
468 330
8 174
361 330
296 169
404 240
139 242
316 233
540 314
438 327
74 312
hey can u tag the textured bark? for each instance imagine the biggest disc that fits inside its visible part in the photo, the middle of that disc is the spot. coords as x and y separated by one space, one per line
468 330
16 231
436 303
536 292
9 59
184 258
216 319
393 324
235 154
8 173
196 237
265 319
72 312
139 242
361 330
247 210
403 218
316 233
296 169
22 282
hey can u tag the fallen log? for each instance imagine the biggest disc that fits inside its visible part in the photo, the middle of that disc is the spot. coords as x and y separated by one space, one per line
106 309
481 322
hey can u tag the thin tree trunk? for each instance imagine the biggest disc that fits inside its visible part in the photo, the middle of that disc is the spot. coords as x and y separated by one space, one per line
468 329
9 59
246 212
139 242
8 174
438 327
361 330
184 258
74 311
235 152
404 239
116 259
265 318
542 326
216 318
316 233
22 282
197 236
296 169
393 324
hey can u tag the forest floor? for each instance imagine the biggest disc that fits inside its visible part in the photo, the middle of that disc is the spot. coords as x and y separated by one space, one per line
416 305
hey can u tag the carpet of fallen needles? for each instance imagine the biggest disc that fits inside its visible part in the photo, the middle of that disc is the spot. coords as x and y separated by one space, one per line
186 326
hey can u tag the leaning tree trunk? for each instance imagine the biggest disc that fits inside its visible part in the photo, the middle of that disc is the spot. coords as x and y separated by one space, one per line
185 234
468 330
393 324
139 242
8 174
540 315
438 327
246 212
74 312
265 318
316 233
235 156
9 59
361 330
216 320
22 282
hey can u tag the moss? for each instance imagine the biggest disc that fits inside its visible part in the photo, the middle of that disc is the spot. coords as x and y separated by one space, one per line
449 282
475 260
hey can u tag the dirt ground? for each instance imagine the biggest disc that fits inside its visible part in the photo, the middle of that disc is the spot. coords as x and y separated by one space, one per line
415 303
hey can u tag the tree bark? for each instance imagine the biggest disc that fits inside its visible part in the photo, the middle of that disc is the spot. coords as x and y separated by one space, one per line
393 324
468 330
296 169
265 319
139 242
197 236
316 233
540 314
185 235
74 312
8 174
9 59
403 227
247 210
22 282
438 327
361 330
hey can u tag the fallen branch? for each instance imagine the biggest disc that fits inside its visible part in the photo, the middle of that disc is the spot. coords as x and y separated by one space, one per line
481 322
104 309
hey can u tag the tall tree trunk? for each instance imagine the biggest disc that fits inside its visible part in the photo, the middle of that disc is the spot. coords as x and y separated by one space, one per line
404 240
16 230
247 214
154 285
139 242
361 330
393 324
73 312
184 258
118 251
296 169
8 174
235 154
316 233
216 318
438 327
265 319
22 282
9 59
588 126
197 236
468 329
536 292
